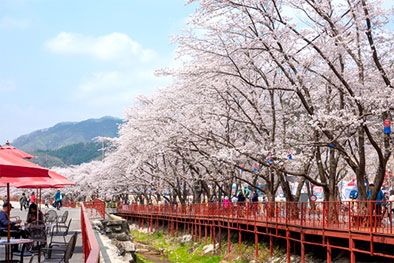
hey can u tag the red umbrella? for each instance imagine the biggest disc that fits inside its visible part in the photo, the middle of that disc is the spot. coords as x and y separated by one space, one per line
9 149
11 168
53 181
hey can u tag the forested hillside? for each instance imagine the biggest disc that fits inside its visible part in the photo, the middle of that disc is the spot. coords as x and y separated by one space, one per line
68 133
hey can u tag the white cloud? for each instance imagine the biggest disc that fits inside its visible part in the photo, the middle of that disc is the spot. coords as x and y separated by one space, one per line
117 88
113 47
8 22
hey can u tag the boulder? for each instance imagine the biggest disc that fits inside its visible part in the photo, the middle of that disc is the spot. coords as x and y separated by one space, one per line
116 218
98 224
129 247
120 236
186 238
208 248
117 229
113 223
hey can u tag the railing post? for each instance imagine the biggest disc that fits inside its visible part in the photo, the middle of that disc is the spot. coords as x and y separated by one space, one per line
324 214
349 220
228 238
91 249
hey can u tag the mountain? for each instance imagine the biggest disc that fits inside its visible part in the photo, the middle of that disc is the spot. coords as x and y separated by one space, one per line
68 133
73 154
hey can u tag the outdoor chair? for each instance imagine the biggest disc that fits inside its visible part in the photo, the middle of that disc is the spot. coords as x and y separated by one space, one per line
61 221
59 246
39 238
51 217
64 254
63 233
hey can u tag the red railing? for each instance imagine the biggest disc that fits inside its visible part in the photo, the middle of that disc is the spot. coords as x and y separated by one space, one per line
359 216
91 250
96 208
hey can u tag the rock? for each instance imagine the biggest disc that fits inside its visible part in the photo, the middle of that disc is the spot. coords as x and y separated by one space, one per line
252 261
98 224
208 248
129 246
114 223
116 218
186 238
120 236
130 258
116 229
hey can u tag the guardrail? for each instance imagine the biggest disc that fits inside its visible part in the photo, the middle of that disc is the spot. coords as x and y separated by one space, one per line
96 208
91 250
338 225
361 216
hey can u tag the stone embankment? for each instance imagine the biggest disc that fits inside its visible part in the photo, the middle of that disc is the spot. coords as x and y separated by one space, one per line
118 231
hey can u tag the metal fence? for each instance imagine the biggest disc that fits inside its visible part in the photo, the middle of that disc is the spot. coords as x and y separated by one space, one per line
294 222
364 216
91 250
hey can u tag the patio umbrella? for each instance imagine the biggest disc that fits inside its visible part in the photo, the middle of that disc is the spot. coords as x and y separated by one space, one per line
9 149
12 168
54 180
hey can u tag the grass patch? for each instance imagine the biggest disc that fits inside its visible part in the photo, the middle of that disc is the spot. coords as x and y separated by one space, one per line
191 252
176 251
142 259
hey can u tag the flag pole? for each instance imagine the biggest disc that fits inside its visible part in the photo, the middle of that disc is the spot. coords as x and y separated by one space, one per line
9 222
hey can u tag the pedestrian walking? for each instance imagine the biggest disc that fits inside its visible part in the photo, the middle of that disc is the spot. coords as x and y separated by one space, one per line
23 201
33 198
255 200
226 202
241 198
386 206
58 199
379 198
391 199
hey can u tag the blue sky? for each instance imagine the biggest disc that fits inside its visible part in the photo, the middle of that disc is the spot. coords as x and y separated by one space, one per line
74 60
70 60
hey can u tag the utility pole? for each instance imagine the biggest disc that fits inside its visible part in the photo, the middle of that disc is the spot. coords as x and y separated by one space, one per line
46 155
102 149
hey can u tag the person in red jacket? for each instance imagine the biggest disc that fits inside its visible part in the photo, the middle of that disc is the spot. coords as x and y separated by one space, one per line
32 198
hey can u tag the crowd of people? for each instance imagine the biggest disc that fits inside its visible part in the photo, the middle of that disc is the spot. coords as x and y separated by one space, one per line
34 215
383 205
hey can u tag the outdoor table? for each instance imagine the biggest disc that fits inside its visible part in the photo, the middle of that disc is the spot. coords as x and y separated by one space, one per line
32 226
19 241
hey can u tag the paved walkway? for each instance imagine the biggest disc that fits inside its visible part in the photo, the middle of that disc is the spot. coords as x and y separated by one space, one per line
74 213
